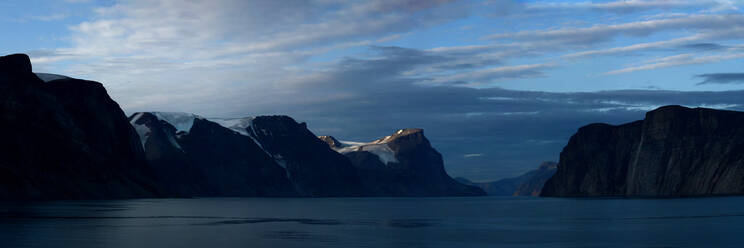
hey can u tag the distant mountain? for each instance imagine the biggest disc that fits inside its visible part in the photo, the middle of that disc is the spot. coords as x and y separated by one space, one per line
402 164
65 139
675 151
528 184
536 180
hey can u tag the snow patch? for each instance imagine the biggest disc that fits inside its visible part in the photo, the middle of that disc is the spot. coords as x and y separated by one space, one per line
242 126
181 121
239 125
142 130
245 127
184 121
378 148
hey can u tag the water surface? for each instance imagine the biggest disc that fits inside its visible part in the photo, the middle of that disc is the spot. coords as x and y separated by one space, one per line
376 222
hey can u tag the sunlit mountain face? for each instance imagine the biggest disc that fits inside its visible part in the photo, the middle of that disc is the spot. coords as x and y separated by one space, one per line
499 86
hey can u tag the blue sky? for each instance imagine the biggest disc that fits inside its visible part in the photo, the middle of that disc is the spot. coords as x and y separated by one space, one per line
471 73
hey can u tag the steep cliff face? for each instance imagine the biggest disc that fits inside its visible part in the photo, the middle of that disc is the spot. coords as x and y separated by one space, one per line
233 164
675 151
197 157
173 169
314 168
402 164
65 139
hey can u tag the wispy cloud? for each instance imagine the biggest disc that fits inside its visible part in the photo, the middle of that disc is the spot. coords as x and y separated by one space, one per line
473 155
677 60
50 17
625 6
484 77
602 33
721 78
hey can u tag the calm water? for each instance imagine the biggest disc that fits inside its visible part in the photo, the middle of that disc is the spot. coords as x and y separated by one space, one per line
376 222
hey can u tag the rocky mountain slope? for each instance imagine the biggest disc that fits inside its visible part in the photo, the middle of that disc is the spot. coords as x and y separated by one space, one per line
402 164
674 152
65 139
196 157
261 156
528 184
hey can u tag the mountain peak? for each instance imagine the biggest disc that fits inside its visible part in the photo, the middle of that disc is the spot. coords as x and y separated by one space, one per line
406 133
331 141
15 64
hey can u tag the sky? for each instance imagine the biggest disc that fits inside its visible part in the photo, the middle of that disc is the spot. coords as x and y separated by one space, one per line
498 85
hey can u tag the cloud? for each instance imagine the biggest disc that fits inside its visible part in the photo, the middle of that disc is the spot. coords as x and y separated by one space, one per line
484 77
50 17
701 34
629 6
473 155
678 60
721 78
603 33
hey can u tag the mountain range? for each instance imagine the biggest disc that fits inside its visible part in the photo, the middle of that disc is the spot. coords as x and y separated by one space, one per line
65 138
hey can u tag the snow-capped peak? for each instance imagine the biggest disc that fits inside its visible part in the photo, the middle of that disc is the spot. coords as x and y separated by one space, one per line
381 150
181 121
239 125
378 147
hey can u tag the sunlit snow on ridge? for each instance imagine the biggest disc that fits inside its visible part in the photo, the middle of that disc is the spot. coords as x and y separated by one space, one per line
378 148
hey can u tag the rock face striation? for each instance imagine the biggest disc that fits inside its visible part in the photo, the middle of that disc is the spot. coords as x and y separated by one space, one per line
65 139
402 164
528 184
674 152
313 168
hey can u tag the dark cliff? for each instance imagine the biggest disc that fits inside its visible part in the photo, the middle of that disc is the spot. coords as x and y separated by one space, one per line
674 152
402 164
314 168
65 139
208 159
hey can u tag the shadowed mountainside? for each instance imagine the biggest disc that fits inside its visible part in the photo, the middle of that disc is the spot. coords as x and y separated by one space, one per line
65 139
674 152
402 164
